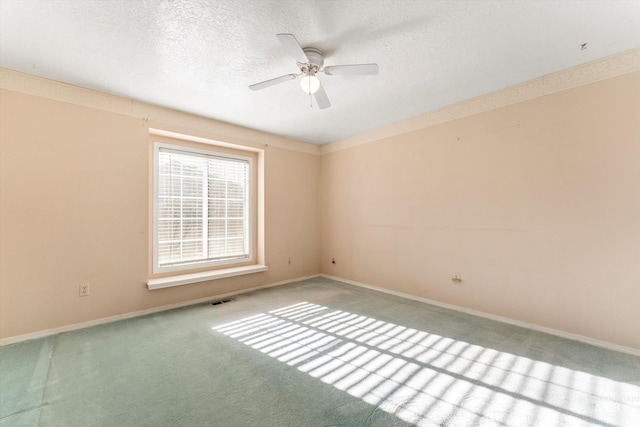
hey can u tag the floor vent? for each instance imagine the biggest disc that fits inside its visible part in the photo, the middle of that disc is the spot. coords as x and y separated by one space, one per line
222 301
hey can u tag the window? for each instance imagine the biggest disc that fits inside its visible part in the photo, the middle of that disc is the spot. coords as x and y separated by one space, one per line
202 208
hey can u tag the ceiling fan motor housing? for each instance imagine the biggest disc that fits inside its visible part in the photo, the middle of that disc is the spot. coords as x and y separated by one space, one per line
315 56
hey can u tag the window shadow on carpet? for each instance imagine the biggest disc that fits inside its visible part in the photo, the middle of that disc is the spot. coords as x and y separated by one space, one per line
427 379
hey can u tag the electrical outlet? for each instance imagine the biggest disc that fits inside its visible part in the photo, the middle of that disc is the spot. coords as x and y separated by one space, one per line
84 289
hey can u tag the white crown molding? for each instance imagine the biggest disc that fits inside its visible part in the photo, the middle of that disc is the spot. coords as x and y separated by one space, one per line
58 91
612 66
160 117
609 67
592 72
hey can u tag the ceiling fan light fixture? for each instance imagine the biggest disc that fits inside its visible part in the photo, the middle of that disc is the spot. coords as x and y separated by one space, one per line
309 62
310 84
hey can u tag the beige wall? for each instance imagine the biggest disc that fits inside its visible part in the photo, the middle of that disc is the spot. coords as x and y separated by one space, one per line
74 186
536 205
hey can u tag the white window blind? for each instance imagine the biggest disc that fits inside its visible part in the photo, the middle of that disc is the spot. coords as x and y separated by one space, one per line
202 209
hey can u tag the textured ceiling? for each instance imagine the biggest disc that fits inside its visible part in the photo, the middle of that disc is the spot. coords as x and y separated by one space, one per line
201 56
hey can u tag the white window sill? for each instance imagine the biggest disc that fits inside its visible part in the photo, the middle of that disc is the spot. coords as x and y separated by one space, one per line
185 279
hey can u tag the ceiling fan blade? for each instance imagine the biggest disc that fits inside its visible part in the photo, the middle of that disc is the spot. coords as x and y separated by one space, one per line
352 70
293 47
272 82
321 98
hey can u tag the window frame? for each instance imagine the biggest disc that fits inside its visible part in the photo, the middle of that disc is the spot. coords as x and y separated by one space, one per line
190 266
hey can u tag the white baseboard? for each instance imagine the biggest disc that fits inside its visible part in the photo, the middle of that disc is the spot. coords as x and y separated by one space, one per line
556 332
76 326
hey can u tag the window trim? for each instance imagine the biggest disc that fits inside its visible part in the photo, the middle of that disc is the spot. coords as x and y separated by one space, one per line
187 267
189 278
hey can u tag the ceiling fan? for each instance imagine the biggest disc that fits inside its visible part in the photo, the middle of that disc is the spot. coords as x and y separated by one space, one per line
310 62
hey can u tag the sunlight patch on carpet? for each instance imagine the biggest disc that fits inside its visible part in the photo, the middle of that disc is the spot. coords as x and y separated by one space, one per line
426 379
